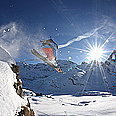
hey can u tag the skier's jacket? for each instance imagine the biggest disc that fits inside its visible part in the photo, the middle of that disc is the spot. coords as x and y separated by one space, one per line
49 48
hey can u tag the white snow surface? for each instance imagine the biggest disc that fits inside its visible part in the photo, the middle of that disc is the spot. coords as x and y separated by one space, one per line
5 56
9 100
100 104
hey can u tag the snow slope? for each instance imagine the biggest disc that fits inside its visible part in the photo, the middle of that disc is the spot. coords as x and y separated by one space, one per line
42 78
10 102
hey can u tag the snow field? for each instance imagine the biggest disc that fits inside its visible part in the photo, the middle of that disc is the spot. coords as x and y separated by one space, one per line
74 105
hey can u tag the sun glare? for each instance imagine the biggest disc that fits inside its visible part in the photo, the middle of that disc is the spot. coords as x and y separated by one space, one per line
95 54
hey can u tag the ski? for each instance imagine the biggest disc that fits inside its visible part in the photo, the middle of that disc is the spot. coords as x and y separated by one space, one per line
34 52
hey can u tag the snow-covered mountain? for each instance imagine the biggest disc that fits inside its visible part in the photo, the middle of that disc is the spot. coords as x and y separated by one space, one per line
79 79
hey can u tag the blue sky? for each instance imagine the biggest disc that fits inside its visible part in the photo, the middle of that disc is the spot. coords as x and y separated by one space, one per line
29 21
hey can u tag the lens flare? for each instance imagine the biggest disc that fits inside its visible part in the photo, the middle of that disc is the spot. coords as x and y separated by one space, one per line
96 54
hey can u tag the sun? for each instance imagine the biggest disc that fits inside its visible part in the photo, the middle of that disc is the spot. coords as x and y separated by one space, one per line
95 53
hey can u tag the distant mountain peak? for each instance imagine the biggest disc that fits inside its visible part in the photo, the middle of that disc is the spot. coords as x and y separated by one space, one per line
112 56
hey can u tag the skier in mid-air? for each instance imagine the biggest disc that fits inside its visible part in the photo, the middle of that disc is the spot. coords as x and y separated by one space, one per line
49 48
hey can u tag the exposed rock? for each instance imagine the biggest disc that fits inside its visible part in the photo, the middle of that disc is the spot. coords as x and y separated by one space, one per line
18 84
25 110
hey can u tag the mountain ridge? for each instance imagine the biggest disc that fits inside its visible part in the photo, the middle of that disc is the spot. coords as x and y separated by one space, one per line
77 80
